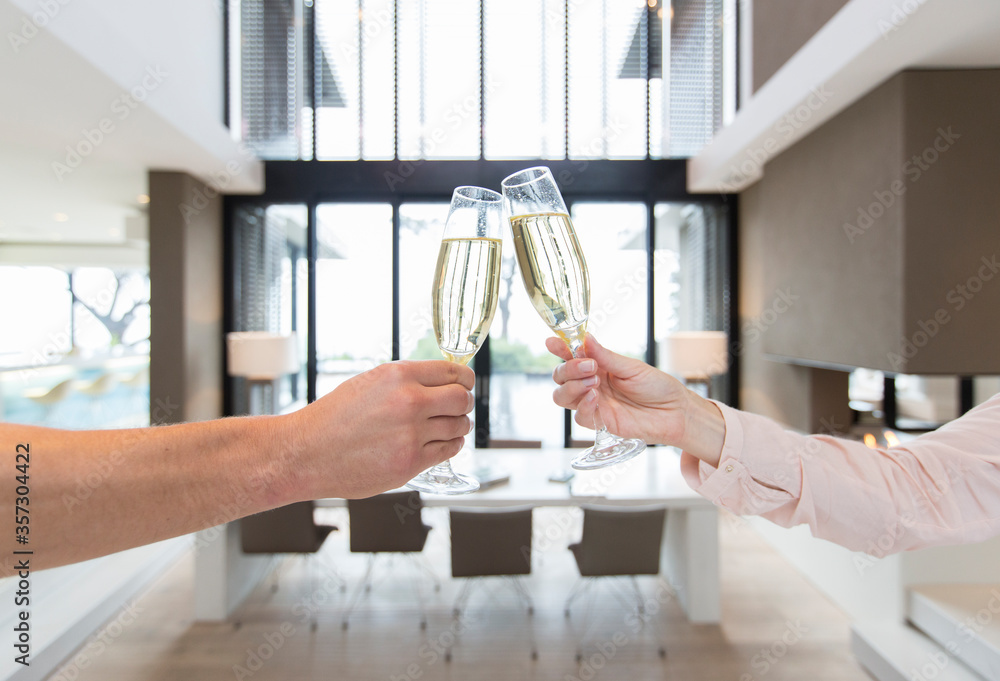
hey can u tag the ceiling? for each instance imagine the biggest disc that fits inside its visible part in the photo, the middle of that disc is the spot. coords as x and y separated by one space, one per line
76 143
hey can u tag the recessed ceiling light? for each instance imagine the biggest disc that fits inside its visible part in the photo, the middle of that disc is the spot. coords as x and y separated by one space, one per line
60 217
142 198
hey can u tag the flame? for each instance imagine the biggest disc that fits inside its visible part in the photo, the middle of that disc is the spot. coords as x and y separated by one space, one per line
890 438
870 440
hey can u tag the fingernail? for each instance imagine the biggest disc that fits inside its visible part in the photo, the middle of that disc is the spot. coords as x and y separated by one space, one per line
592 396
590 382
588 365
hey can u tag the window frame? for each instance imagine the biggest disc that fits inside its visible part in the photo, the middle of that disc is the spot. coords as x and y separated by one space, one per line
648 181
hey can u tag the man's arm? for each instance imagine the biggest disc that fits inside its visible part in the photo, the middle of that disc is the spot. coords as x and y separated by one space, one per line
97 492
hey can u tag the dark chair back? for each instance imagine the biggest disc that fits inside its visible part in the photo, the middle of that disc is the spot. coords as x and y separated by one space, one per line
289 529
516 444
387 523
620 541
489 542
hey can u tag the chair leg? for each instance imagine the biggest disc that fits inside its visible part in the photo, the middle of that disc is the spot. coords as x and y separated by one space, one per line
363 588
311 569
581 587
421 561
522 592
420 600
331 569
638 594
463 598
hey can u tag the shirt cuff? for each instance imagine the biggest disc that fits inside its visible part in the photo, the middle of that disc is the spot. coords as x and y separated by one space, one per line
731 484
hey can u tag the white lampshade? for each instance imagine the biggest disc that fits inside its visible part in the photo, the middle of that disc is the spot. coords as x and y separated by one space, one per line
261 356
695 354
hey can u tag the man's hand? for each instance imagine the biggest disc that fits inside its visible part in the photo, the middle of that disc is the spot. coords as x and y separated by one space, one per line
379 429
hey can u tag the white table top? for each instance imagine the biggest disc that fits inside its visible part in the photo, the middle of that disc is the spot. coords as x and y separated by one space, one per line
652 478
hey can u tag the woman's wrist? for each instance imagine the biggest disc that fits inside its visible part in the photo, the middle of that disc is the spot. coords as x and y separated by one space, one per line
705 429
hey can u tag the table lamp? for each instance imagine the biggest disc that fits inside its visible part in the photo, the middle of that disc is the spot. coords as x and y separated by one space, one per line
261 357
696 356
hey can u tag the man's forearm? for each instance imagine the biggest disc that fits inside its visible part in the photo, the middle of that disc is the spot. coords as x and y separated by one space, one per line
96 492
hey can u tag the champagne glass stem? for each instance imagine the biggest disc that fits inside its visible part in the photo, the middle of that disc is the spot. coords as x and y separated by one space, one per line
442 470
601 435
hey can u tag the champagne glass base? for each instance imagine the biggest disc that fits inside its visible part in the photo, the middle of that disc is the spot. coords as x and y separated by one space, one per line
600 456
433 483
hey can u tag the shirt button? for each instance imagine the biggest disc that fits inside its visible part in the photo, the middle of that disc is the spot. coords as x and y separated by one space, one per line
729 468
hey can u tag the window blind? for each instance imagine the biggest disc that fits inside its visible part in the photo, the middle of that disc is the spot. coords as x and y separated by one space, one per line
493 79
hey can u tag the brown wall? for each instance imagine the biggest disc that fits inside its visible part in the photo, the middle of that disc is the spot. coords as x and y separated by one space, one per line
859 297
781 27
185 272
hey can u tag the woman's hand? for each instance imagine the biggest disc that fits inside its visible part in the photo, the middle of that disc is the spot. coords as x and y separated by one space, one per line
636 400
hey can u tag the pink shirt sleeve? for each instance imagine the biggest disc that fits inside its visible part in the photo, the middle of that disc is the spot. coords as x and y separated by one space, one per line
940 488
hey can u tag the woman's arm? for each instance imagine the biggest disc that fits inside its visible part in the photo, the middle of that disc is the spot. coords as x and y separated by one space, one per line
940 488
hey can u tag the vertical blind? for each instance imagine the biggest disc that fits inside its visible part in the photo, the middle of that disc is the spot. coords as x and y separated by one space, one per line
494 79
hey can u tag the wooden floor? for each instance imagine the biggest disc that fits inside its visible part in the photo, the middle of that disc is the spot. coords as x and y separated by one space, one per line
775 626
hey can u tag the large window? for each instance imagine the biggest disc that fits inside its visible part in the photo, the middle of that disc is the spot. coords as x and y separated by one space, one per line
354 284
370 112
656 267
270 292
84 363
494 79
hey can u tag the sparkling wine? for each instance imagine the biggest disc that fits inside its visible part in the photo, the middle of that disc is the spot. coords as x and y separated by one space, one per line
554 271
466 289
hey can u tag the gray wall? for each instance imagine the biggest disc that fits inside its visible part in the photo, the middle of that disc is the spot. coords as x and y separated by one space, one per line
860 297
185 273
781 27
186 350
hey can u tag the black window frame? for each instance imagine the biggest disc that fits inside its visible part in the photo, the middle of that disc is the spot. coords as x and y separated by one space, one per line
648 181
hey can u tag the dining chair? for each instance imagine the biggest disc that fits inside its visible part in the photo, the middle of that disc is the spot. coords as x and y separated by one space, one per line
617 542
289 529
489 543
388 524
515 444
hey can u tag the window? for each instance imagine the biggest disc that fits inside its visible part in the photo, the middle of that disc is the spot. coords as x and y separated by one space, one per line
353 279
692 288
420 228
494 79
520 387
270 291
84 363
370 112
613 237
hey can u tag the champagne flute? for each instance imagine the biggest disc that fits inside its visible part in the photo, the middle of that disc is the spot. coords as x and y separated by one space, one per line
466 288
555 275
